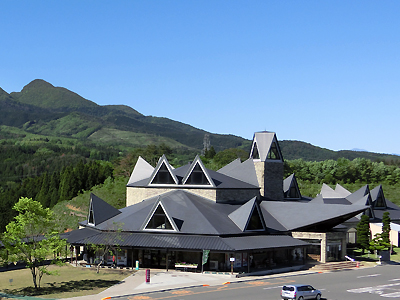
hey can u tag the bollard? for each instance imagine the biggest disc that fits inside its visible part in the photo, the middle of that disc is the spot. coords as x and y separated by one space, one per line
147 275
358 264
137 265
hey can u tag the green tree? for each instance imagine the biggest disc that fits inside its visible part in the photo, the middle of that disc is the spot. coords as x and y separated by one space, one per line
386 227
378 243
363 233
31 237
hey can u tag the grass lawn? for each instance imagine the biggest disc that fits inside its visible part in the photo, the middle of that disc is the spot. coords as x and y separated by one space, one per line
71 282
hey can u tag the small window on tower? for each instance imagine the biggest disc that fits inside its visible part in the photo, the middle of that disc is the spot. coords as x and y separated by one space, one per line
274 152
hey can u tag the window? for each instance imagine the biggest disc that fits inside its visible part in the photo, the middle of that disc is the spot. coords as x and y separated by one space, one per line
293 192
255 154
159 220
273 152
197 176
255 222
379 202
163 176
91 217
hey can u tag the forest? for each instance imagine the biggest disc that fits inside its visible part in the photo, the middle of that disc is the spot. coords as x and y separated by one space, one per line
58 173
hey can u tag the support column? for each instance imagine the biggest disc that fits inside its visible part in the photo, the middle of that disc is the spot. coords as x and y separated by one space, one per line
323 248
344 248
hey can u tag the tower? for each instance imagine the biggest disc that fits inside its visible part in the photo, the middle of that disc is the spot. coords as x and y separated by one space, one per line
268 163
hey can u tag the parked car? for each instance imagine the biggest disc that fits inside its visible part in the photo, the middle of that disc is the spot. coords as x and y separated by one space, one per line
300 292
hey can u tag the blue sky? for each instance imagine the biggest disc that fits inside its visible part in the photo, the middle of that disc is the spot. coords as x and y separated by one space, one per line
323 72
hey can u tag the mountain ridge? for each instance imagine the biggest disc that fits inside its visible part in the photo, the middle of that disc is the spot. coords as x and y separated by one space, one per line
41 108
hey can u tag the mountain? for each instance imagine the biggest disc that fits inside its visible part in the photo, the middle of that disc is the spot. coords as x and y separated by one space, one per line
41 108
45 110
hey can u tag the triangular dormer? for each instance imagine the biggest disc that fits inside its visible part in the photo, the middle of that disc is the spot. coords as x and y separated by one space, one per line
100 211
162 174
248 217
265 146
91 215
198 175
378 198
291 189
159 219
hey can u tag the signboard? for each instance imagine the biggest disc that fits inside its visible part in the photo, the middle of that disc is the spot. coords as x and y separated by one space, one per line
232 259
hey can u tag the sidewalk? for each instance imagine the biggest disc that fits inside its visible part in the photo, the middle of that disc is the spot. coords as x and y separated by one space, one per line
161 280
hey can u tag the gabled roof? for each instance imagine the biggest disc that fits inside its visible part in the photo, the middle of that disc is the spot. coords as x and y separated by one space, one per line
219 180
101 210
197 166
318 200
242 216
263 142
341 191
142 170
291 183
359 194
184 242
328 192
192 214
298 215
378 198
162 171
241 171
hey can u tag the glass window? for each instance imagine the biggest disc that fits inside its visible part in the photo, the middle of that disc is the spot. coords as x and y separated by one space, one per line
274 152
197 176
159 220
163 176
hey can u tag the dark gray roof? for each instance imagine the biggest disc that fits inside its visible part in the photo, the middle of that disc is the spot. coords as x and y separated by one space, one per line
187 242
220 180
241 215
102 211
360 193
297 215
241 171
191 213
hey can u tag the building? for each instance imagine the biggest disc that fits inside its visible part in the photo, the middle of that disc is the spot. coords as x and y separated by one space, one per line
243 215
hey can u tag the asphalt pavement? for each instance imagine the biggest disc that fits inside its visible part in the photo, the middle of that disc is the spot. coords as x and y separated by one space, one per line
162 280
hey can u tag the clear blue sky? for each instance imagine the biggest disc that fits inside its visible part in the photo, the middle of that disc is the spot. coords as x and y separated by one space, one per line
323 72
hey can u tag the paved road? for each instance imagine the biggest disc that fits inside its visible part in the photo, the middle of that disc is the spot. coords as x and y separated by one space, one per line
366 283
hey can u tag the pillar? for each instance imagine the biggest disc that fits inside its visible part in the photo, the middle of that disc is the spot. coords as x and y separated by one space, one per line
323 248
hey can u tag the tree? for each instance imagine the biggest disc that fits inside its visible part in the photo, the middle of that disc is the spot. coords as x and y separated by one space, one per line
363 233
31 237
109 245
378 243
386 227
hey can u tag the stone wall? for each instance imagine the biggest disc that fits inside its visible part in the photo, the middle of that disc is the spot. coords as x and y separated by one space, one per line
270 178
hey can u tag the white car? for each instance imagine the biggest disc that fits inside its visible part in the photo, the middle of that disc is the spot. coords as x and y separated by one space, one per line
300 292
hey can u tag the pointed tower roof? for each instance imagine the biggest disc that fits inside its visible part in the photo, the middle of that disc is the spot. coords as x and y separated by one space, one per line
100 211
163 173
290 188
265 147
142 170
